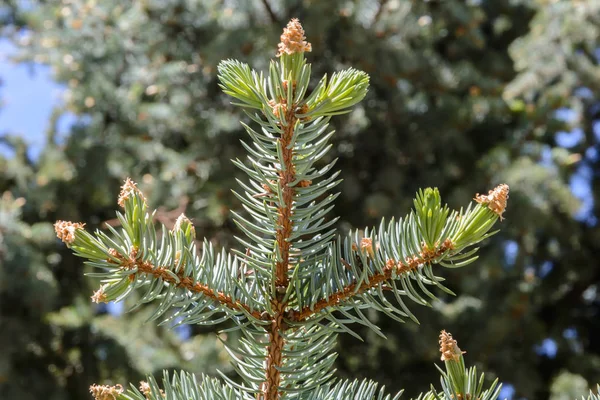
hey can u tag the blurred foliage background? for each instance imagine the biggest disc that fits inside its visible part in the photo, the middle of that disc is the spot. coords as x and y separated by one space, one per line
464 95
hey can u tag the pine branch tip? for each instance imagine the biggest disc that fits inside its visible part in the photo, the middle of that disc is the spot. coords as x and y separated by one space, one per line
106 392
184 223
99 295
496 199
449 347
293 39
128 189
65 230
147 390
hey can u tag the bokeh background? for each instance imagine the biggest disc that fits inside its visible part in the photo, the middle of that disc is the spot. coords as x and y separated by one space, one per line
464 95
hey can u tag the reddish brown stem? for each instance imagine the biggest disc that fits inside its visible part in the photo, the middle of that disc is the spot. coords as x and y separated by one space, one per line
272 381
284 230
284 222
411 263
186 282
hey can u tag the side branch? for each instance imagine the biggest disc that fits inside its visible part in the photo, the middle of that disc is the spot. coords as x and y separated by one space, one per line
146 267
391 267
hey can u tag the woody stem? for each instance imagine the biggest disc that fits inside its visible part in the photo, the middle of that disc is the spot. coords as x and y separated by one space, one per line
287 175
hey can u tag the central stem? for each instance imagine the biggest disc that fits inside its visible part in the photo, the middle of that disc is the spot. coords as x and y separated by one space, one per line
287 175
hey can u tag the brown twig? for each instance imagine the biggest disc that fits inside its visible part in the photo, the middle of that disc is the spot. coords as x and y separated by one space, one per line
270 389
186 282
292 41
284 222
349 291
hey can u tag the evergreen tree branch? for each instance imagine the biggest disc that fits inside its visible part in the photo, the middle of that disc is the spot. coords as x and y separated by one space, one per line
363 266
391 269
284 106
164 273
285 195
203 289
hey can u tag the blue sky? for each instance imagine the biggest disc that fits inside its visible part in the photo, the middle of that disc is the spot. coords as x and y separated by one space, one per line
28 95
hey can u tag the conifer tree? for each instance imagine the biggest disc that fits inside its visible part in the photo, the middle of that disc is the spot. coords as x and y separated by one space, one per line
296 284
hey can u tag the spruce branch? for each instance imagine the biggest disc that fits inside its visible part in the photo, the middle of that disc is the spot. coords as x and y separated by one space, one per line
284 198
396 258
295 284
204 289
